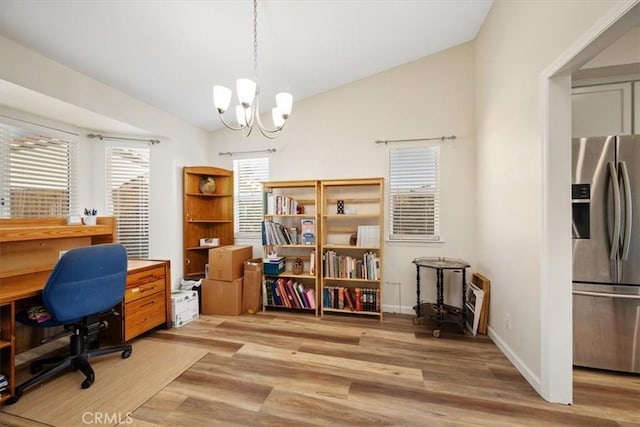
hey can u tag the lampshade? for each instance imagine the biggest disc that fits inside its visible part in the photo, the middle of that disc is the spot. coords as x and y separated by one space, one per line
221 98
284 102
246 92
278 120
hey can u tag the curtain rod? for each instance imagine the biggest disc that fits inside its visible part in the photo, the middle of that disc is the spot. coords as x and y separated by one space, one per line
151 141
440 138
233 153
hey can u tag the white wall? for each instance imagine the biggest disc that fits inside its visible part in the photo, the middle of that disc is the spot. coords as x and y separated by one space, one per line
625 50
332 136
517 41
182 144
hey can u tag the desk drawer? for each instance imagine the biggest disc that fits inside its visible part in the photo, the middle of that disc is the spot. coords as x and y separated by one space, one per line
144 314
143 290
140 278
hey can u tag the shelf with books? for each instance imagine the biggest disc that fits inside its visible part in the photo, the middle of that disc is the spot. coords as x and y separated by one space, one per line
7 351
351 246
289 229
207 213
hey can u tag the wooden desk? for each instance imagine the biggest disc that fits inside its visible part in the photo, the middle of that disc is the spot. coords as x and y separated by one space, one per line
147 304
29 249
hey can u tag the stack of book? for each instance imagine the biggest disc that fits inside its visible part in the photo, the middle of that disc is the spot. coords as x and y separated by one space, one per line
274 233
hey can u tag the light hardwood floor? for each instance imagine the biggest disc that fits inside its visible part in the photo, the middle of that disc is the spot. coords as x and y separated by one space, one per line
286 369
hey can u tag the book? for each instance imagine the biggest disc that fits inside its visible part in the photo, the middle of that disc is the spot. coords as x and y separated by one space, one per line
349 299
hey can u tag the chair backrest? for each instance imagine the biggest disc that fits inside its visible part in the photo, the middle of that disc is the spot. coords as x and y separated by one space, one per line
85 281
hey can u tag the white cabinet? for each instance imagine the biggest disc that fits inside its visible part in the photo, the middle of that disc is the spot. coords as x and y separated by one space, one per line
603 110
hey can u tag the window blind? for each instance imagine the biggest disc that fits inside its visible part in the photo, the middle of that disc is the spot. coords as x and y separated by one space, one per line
414 191
128 196
248 177
38 175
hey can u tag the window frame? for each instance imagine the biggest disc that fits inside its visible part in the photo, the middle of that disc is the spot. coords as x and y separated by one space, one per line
430 198
256 197
138 246
40 132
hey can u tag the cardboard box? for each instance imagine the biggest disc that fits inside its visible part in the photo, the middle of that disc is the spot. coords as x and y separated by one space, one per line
227 262
222 297
252 286
184 307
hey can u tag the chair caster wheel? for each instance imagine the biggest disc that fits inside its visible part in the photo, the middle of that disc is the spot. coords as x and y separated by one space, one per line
436 333
126 354
87 383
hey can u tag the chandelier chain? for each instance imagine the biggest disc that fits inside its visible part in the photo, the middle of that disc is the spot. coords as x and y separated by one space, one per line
255 39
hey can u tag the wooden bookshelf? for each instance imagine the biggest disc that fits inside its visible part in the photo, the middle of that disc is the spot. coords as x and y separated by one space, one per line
288 203
344 261
205 215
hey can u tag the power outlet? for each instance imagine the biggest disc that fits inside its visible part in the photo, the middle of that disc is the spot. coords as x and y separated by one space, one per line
507 321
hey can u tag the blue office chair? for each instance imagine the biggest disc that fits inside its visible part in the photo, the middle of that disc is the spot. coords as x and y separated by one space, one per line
86 283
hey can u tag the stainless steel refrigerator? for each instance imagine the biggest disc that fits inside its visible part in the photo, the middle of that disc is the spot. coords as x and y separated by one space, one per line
606 252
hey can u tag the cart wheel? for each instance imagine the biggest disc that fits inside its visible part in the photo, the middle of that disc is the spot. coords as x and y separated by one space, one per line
416 320
436 333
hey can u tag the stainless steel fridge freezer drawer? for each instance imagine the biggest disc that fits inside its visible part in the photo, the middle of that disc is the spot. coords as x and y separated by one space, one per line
606 327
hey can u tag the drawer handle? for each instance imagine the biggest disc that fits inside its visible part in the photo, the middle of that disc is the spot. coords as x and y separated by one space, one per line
142 289
149 303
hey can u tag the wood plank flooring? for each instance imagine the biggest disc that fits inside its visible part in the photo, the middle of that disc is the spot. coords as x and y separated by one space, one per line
279 368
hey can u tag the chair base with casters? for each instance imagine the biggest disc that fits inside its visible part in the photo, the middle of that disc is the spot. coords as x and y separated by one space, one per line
83 346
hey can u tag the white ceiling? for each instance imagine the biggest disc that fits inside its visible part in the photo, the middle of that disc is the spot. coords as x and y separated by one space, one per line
169 54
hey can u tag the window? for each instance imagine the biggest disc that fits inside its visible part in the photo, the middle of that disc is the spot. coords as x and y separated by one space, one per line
128 196
37 172
248 177
414 188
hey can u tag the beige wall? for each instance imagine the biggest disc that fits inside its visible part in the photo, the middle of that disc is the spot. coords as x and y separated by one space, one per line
516 43
332 136
183 144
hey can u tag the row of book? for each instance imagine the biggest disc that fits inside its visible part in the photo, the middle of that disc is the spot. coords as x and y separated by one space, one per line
358 299
282 205
274 233
4 384
348 267
289 293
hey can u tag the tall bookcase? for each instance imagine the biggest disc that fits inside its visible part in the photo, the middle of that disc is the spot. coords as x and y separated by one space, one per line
206 214
290 206
351 231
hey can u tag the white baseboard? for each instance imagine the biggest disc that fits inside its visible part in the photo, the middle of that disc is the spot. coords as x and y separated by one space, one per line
531 378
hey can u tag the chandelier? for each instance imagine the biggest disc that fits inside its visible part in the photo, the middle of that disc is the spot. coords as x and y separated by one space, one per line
248 110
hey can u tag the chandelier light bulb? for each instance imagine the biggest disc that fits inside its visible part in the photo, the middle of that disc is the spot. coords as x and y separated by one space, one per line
284 102
278 119
240 116
246 92
221 98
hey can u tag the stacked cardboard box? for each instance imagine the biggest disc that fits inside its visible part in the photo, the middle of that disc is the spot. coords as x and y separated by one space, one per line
222 291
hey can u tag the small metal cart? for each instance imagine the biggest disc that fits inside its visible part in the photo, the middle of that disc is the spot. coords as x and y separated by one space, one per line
438 311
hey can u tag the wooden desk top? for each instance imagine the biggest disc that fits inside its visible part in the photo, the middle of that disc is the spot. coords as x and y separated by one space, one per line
29 285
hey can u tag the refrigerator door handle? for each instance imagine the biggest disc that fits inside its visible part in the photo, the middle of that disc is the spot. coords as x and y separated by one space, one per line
628 213
615 238
606 295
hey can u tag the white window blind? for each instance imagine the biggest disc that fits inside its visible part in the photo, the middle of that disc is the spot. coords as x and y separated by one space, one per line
128 196
414 191
38 175
248 177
